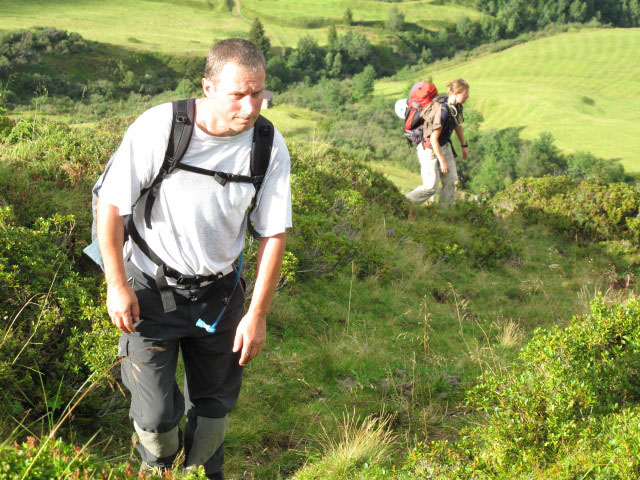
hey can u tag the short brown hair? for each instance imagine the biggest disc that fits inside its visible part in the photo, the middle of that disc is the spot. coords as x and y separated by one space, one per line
237 50
457 86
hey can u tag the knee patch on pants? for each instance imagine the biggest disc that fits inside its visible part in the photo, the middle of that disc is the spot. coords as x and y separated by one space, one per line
207 438
160 445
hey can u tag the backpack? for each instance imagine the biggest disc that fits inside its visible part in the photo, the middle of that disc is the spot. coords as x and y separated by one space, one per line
181 130
420 97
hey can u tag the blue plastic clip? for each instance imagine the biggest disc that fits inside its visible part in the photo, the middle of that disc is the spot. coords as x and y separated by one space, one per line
209 328
212 328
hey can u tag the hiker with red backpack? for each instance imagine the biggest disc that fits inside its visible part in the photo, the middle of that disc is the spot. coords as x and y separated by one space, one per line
430 120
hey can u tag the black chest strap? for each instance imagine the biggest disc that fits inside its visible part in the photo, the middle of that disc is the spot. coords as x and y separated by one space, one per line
222 177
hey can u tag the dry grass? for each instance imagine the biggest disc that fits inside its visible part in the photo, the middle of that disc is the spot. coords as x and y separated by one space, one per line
354 444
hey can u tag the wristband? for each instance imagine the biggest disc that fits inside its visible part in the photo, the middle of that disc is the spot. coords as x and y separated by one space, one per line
464 145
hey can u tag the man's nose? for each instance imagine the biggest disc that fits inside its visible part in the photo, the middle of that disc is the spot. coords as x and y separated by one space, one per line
250 105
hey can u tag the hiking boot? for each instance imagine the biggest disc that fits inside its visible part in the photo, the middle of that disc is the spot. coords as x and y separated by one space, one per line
194 469
146 468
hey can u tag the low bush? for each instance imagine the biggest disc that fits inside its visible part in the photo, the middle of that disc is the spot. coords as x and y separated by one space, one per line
330 193
46 309
58 153
483 242
6 125
588 209
54 458
569 404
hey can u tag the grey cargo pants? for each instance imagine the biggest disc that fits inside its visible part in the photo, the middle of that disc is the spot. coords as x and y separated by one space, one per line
212 373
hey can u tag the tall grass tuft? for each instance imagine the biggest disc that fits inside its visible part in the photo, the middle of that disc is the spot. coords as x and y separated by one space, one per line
355 445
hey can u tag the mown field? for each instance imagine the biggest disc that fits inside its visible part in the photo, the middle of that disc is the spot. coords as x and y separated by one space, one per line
193 25
581 87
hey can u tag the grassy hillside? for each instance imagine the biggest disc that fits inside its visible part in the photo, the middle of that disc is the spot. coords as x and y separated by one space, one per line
386 311
193 25
582 87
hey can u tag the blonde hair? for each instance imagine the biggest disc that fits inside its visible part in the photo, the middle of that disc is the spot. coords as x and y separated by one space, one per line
457 86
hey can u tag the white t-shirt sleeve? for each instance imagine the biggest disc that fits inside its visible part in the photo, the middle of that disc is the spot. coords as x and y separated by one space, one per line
272 214
138 159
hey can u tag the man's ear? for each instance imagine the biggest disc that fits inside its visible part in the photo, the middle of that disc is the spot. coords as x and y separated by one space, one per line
208 87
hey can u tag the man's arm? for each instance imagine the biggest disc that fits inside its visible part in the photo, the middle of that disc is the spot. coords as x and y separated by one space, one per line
435 144
252 330
460 133
122 303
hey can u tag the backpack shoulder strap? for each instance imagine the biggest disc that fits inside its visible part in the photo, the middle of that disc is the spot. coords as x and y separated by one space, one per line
261 147
260 157
181 129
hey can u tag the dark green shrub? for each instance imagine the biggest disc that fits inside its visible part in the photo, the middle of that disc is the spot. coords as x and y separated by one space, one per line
330 192
570 404
45 308
54 458
468 232
587 209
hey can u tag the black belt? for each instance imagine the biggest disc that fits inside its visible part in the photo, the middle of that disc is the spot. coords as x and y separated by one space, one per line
164 271
194 281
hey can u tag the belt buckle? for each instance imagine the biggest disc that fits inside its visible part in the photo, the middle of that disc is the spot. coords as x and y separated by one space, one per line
187 281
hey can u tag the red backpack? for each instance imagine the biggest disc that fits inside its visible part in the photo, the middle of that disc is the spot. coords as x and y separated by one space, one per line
421 95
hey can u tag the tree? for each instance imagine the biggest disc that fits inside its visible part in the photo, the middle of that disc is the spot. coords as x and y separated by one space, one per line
426 56
348 17
356 51
540 157
332 36
334 64
395 19
279 75
308 59
578 11
363 82
258 37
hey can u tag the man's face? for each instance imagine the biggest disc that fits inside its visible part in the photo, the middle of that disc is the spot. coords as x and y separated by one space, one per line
235 98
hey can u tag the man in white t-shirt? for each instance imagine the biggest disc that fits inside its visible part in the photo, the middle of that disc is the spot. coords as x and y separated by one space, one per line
197 228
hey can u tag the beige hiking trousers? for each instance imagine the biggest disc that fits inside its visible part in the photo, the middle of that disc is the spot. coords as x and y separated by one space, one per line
432 176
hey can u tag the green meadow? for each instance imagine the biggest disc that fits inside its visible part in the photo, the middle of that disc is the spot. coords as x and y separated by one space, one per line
581 87
193 25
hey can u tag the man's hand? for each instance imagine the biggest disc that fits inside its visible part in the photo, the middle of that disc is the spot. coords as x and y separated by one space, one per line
465 152
251 335
123 308
444 168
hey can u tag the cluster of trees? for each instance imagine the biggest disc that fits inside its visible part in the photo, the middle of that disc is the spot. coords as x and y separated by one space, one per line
23 50
499 157
23 47
507 19
343 56
522 15
30 62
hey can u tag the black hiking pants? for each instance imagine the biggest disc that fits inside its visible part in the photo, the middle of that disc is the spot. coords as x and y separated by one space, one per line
212 373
